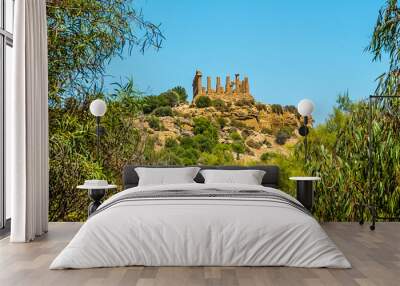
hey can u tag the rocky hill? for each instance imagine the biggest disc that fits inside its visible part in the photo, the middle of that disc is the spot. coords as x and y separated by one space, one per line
263 128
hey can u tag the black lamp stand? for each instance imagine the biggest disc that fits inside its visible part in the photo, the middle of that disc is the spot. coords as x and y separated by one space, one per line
97 194
100 131
303 131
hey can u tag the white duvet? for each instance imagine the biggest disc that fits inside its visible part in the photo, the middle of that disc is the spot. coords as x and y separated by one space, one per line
200 231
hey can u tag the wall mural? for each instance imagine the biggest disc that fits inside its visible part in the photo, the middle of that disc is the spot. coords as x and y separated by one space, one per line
223 124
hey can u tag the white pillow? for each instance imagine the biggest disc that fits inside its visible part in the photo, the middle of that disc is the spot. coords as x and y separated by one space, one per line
166 176
248 177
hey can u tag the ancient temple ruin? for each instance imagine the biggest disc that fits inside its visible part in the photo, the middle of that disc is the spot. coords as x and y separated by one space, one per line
233 91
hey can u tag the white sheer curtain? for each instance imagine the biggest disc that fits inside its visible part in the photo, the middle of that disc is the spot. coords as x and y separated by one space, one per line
27 124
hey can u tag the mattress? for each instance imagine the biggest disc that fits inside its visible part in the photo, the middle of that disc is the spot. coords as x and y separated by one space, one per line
201 225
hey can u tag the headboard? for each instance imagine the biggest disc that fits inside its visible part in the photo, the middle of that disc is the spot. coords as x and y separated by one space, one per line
130 178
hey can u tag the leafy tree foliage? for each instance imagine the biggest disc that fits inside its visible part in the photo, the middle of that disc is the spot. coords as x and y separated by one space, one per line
385 41
181 92
84 36
72 150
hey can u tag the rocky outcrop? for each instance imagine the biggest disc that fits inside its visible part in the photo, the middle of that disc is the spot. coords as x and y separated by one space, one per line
257 125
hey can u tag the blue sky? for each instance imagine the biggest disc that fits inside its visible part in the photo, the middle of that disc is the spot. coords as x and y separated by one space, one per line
290 50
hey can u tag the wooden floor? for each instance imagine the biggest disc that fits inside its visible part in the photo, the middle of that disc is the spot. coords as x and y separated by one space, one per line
375 257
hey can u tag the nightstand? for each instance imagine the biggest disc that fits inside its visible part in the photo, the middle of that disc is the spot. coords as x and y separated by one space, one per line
305 190
96 193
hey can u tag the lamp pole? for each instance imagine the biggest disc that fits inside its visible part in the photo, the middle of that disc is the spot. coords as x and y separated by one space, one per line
98 137
305 108
98 108
305 139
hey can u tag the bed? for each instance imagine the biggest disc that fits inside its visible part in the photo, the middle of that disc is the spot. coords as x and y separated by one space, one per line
201 224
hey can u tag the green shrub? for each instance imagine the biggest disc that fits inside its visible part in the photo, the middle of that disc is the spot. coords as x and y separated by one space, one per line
150 103
261 106
235 136
239 148
181 92
204 143
163 111
219 104
282 136
168 98
171 143
203 101
265 157
221 121
202 125
290 108
277 108
244 102
154 123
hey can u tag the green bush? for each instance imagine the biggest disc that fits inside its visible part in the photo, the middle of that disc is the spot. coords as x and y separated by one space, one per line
290 108
203 101
244 102
221 121
154 123
261 106
168 98
202 125
219 104
265 157
282 136
171 143
235 136
163 111
181 92
277 108
239 148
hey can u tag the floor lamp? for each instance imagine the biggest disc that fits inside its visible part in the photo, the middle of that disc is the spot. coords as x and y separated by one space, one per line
98 108
372 205
305 108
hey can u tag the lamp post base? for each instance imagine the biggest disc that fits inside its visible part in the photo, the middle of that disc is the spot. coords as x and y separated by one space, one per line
96 195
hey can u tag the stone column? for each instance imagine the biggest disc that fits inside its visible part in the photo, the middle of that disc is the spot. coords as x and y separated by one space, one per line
246 85
228 84
199 79
208 84
237 83
197 83
218 85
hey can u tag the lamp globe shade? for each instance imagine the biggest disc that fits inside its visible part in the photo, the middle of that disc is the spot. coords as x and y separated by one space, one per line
98 107
305 107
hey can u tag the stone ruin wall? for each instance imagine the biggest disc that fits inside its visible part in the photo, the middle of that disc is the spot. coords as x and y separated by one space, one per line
233 91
